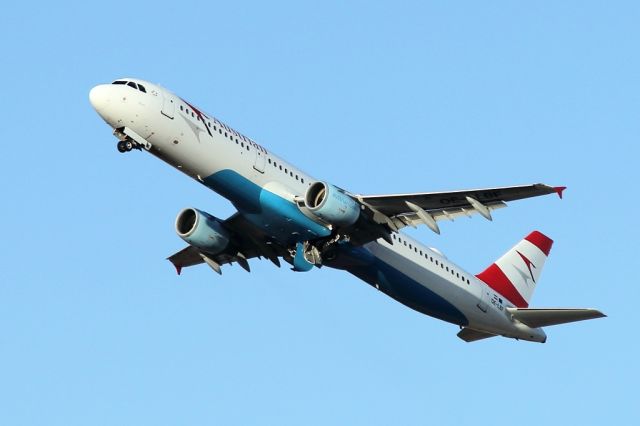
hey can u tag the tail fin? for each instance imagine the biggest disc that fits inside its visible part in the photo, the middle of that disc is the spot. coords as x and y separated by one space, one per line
517 272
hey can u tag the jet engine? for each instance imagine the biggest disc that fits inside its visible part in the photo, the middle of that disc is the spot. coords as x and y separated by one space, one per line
331 204
202 230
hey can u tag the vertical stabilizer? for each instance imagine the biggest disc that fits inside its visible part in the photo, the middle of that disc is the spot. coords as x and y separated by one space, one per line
517 272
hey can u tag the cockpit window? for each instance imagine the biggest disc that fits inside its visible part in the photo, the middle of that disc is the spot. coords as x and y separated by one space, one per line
139 87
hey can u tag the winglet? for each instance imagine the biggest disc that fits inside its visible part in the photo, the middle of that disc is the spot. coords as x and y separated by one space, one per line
178 269
559 190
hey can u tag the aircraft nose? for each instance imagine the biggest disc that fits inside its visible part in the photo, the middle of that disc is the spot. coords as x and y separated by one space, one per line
99 98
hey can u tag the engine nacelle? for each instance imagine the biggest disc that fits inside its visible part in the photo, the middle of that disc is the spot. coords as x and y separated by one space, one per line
201 230
331 204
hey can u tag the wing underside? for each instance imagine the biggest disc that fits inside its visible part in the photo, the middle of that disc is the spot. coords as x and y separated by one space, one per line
400 210
247 242
382 214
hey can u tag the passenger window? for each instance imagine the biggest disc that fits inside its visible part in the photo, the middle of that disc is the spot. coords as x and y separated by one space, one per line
302 180
142 89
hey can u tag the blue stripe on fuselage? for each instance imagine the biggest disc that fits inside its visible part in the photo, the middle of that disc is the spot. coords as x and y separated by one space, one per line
363 264
282 218
277 216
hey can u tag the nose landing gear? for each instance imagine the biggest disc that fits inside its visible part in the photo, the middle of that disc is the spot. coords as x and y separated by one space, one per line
125 146
128 140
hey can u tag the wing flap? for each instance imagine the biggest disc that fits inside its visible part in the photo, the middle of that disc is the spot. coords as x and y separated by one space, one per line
413 219
189 256
553 316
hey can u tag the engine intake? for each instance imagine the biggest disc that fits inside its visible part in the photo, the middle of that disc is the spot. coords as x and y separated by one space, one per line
331 204
202 230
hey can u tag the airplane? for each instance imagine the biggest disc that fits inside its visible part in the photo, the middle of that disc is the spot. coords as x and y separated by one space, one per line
285 213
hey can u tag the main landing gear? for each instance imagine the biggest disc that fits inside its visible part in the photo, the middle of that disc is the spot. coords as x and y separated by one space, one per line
125 146
305 255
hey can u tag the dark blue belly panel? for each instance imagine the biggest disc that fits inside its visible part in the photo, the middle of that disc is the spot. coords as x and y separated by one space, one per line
363 264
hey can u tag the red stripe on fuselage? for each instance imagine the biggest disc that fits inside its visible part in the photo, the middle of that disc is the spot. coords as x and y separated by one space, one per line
497 280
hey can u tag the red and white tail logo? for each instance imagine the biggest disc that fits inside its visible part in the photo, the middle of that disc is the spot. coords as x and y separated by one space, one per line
517 272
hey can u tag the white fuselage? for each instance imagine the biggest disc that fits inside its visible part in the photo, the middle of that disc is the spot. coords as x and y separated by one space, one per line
233 165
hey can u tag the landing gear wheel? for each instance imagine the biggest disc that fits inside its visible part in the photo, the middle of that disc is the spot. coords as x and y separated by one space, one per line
122 147
128 145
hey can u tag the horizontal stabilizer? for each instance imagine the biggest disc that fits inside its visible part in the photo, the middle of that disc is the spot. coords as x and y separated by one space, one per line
471 335
544 317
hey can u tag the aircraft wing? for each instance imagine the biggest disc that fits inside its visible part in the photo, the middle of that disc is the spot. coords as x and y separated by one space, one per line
429 207
246 243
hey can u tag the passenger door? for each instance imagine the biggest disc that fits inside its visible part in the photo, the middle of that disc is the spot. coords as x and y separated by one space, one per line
483 303
261 158
168 106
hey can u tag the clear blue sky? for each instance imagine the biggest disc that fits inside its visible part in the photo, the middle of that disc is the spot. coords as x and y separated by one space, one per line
96 328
